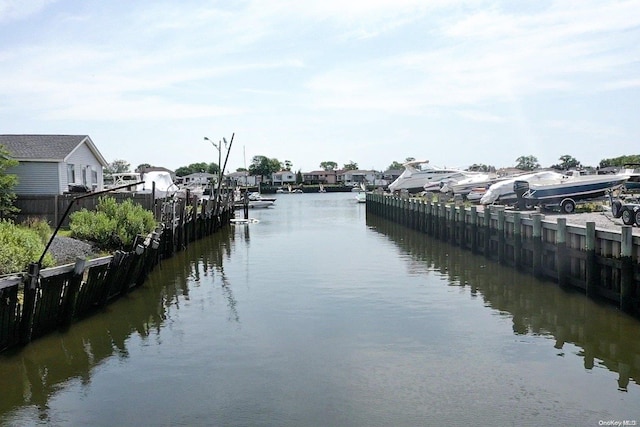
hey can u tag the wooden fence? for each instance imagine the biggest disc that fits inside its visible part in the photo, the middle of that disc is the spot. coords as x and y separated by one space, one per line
51 208
36 303
602 263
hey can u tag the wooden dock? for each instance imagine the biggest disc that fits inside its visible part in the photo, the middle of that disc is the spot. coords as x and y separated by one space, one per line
39 302
602 263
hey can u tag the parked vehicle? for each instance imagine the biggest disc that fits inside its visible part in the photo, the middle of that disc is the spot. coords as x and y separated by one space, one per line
629 212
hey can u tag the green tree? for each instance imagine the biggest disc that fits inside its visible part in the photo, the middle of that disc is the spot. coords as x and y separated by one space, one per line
395 166
299 177
351 166
620 161
264 166
117 166
481 168
567 162
328 165
287 165
211 168
527 163
141 167
7 183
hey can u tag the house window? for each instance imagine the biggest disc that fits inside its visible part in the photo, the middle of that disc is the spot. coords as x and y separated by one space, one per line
94 175
84 175
71 174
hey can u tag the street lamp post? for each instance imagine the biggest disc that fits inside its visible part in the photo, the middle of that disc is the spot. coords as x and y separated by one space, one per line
218 146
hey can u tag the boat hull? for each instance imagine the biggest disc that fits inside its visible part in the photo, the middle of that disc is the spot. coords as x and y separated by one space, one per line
577 191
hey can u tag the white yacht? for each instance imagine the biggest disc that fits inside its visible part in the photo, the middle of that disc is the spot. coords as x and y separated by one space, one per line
419 173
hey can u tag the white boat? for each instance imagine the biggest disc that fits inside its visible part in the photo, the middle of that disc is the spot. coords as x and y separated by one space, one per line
195 190
503 192
419 173
444 184
160 182
133 179
475 195
255 196
321 189
465 185
569 190
361 195
252 201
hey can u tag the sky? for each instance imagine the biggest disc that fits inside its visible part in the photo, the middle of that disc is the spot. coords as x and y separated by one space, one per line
372 82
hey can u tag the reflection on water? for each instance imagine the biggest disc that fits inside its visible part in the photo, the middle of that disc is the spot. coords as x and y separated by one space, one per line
31 376
318 316
606 337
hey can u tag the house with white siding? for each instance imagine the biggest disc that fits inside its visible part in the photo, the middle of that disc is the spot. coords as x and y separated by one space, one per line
283 177
54 164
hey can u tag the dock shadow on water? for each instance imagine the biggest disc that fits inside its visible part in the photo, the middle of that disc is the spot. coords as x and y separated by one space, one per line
318 315
604 336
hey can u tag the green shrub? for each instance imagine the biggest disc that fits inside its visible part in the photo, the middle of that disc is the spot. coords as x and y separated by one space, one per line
112 225
20 246
40 226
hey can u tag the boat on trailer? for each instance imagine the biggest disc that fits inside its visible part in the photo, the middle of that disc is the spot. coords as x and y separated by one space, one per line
419 173
567 191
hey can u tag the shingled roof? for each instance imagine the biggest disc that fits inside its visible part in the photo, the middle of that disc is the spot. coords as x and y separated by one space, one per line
46 147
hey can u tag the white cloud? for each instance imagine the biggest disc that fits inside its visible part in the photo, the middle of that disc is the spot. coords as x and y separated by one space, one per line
19 9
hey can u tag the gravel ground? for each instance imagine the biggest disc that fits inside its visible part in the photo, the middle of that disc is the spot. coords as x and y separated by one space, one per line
65 249
603 220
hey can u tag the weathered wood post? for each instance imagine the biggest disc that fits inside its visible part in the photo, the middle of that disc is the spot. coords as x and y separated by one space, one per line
453 223
501 236
536 236
626 269
194 218
591 285
561 252
436 219
487 231
473 229
69 297
421 215
28 307
412 213
517 240
443 221
429 219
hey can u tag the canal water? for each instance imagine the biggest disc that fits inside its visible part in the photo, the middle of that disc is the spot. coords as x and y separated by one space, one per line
319 316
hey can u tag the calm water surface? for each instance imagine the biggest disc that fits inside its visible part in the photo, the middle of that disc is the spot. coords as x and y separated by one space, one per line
319 316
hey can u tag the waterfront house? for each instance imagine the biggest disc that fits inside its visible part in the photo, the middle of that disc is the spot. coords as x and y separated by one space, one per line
199 178
355 177
241 178
320 177
283 178
54 164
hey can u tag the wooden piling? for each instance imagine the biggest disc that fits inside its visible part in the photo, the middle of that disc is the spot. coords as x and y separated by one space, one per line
517 240
627 294
561 252
71 293
501 235
486 232
473 222
537 245
591 282
28 307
